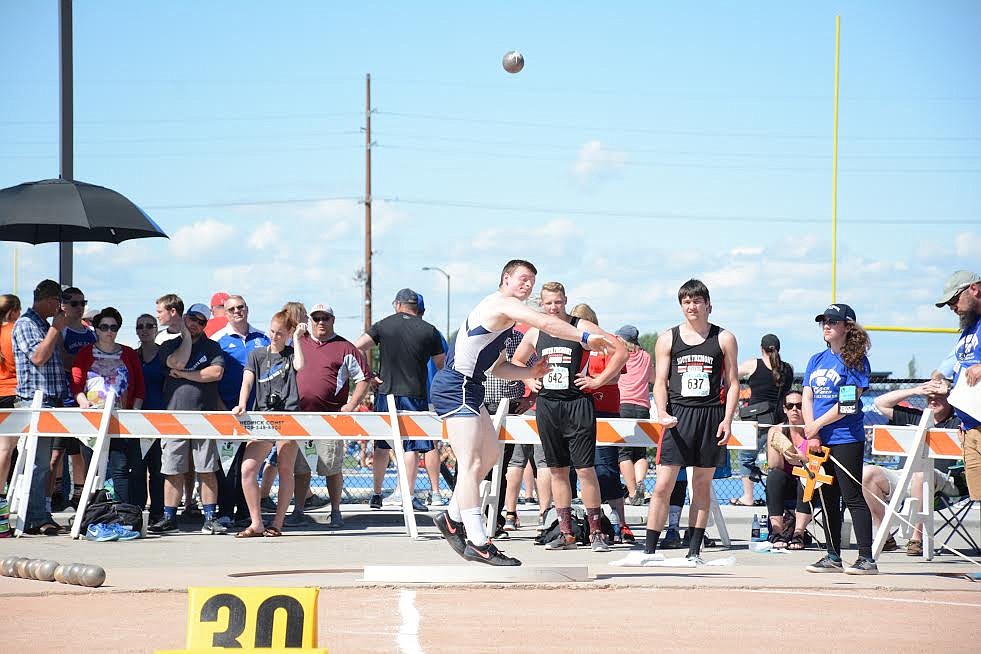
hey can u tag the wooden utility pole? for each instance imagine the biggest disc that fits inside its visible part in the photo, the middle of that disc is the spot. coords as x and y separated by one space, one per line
367 204
67 123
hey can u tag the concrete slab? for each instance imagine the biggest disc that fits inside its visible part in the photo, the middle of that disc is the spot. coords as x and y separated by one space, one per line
471 574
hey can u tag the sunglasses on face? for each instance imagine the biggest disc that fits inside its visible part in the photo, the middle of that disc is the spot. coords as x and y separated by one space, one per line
198 320
790 406
76 303
957 298
830 323
236 309
321 318
104 327
146 325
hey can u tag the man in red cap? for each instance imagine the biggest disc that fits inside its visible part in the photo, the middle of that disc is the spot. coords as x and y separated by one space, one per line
218 320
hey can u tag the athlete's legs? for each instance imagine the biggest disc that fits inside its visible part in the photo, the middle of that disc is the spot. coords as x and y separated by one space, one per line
285 462
701 489
475 445
589 485
561 487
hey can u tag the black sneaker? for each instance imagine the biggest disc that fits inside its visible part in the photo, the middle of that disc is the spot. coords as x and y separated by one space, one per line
267 505
671 540
862 566
376 501
163 526
452 531
827 564
488 554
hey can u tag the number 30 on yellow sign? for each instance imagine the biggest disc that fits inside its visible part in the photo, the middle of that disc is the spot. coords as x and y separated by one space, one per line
247 619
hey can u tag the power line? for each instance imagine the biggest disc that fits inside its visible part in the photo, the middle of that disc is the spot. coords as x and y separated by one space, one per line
185 120
251 203
667 215
647 130
624 162
143 154
306 135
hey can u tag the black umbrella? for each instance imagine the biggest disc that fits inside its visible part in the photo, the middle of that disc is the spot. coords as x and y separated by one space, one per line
58 210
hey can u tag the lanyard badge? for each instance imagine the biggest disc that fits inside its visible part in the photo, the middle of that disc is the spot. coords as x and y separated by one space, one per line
847 400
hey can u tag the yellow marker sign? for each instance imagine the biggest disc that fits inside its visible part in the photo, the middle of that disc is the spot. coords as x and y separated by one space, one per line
250 619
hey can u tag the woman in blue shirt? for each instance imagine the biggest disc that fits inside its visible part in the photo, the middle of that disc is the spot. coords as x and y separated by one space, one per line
833 384
153 379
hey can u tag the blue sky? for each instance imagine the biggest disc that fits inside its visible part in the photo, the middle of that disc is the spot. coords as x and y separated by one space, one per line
643 144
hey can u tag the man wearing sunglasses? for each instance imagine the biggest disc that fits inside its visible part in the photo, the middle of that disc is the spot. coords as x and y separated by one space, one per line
75 336
194 364
37 357
331 364
962 295
236 340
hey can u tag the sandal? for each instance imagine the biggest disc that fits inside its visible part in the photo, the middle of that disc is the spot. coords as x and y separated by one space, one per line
249 532
796 542
272 532
778 541
738 501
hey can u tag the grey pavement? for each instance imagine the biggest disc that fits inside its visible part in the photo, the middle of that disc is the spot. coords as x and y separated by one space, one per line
317 555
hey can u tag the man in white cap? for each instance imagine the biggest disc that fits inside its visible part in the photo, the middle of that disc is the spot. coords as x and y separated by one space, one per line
962 295
331 364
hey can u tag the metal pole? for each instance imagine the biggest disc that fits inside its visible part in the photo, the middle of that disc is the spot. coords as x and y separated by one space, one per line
367 205
834 176
67 124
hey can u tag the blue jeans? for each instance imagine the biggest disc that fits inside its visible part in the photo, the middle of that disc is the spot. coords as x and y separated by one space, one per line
127 471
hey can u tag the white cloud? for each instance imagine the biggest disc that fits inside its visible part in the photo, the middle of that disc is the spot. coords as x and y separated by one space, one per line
595 161
264 236
967 245
192 241
735 275
595 292
746 252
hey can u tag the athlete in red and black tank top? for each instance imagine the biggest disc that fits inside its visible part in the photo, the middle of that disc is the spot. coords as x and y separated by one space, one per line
696 374
566 359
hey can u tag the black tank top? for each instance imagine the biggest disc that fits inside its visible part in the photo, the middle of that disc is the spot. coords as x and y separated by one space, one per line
695 378
763 389
566 359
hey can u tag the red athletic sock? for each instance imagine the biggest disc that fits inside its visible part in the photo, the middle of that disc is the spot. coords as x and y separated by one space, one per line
565 519
593 516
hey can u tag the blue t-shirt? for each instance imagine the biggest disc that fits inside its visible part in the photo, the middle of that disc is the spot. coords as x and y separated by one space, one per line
826 373
967 354
153 382
236 351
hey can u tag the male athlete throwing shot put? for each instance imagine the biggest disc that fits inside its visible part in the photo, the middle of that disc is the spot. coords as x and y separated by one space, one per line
457 395
696 389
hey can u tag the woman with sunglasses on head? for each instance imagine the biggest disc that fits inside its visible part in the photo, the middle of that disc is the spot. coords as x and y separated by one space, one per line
153 400
106 366
272 370
833 384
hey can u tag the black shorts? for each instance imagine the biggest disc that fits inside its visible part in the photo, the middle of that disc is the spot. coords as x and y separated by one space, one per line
693 441
568 432
69 444
633 454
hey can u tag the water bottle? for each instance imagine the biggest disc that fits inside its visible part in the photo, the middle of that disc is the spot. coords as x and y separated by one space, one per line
754 535
765 528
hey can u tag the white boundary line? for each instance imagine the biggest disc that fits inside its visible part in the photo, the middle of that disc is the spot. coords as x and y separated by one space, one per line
904 600
408 636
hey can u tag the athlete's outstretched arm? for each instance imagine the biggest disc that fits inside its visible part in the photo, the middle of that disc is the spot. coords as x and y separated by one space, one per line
519 312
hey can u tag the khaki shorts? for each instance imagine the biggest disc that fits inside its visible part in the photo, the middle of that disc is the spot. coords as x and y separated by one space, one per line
177 455
972 462
330 458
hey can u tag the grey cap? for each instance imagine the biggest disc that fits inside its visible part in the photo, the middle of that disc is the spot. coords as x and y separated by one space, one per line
955 284
770 342
199 308
630 334
407 296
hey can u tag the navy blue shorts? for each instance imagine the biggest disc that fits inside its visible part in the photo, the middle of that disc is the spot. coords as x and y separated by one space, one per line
455 395
403 403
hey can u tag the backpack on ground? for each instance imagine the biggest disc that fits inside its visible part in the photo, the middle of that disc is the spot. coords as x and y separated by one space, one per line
104 510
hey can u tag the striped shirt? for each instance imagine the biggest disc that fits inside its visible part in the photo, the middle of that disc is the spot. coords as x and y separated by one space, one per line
51 378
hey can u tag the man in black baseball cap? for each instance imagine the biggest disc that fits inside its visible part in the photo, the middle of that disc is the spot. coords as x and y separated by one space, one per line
839 312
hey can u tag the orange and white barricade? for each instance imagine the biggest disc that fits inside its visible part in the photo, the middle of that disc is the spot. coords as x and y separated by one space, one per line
95 427
920 444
